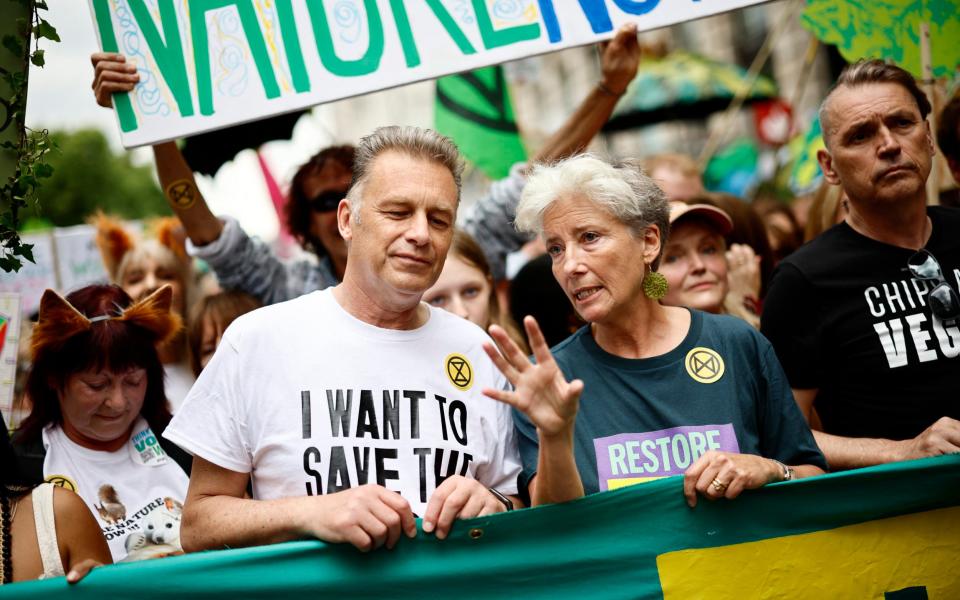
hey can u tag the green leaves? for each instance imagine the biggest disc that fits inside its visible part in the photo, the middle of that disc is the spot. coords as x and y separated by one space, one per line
29 148
43 29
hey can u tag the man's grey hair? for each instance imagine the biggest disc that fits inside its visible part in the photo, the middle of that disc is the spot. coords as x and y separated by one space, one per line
412 141
865 72
622 189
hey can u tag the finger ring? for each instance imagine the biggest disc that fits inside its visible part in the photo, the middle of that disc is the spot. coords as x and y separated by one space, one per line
719 486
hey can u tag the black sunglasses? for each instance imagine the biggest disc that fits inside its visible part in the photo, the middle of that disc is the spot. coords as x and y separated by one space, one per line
327 201
943 299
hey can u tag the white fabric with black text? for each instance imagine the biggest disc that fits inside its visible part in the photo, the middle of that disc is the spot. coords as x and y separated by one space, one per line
309 399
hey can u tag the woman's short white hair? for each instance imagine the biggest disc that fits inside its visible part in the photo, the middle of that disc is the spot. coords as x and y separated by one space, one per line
622 189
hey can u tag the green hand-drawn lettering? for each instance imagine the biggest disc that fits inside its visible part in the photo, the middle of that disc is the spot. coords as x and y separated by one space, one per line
410 52
494 38
291 46
201 48
451 26
368 63
168 51
128 119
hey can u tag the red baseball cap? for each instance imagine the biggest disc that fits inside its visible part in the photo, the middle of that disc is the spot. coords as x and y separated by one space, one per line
714 215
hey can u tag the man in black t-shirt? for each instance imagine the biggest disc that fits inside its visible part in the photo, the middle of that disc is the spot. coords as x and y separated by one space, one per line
855 327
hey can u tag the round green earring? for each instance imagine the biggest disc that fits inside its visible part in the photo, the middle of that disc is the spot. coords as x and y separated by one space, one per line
655 285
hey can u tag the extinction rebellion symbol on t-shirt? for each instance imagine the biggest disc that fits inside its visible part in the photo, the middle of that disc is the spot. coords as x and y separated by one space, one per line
704 365
459 371
62 481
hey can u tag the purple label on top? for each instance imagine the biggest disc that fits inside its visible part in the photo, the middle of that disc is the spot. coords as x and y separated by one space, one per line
659 453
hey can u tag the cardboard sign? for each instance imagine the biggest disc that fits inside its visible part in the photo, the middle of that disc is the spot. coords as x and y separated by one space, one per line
207 64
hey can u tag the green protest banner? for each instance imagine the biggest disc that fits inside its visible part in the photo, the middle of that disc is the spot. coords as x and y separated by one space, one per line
474 110
885 532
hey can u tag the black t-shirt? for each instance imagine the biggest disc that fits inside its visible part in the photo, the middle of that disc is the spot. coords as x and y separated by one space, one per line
846 316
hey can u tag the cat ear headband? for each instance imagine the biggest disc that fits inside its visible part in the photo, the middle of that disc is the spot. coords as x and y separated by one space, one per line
59 320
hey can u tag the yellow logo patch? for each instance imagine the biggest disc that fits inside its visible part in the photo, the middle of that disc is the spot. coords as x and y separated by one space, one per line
62 481
459 371
704 365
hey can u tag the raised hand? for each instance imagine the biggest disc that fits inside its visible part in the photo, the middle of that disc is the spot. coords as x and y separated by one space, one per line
112 74
620 59
540 390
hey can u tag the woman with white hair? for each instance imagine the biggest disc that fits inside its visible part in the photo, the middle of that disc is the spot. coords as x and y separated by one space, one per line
644 390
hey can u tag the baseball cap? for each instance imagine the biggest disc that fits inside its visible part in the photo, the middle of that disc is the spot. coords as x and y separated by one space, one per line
718 217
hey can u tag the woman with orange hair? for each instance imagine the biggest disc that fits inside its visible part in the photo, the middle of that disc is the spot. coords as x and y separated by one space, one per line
99 408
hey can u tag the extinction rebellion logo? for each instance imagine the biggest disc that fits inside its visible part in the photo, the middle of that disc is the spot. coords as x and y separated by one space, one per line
459 371
704 365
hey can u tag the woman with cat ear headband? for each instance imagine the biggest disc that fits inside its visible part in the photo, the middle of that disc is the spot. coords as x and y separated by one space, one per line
97 389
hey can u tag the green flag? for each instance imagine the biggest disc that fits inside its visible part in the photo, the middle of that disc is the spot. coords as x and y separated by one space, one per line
474 110
885 532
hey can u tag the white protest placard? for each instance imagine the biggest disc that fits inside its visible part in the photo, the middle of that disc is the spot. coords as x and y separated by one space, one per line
79 261
207 64
9 346
33 278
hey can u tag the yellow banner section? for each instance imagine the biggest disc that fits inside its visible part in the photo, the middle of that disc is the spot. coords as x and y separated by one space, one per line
876 559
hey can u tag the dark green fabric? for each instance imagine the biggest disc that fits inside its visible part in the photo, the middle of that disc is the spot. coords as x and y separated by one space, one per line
627 400
602 546
474 110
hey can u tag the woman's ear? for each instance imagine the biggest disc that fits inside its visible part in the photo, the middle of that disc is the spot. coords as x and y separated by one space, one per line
651 243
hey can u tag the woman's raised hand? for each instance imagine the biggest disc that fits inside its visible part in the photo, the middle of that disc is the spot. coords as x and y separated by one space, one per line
540 390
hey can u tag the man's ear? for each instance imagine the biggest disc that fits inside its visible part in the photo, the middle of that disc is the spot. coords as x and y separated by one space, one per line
345 221
826 165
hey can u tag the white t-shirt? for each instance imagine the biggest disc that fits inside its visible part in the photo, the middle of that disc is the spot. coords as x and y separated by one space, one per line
308 400
135 492
177 381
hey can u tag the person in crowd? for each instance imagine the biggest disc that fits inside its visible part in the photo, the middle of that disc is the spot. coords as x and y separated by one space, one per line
696 264
98 409
865 317
250 266
828 208
45 531
535 292
210 318
141 267
749 235
783 231
465 288
644 390
327 434
676 174
948 135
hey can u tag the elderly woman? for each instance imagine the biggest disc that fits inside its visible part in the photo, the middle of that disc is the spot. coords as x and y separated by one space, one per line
643 391
98 411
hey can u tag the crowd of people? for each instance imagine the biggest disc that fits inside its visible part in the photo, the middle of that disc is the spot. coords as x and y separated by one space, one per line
343 396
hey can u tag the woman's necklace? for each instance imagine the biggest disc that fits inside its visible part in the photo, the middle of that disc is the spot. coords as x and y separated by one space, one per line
6 557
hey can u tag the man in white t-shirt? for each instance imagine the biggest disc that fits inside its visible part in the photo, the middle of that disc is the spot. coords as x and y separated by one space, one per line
354 409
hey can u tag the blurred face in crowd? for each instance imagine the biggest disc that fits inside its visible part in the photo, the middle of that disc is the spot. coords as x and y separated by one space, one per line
211 331
677 185
99 407
327 187
400 236
695 265
149 271
589 248
463 290
878 147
